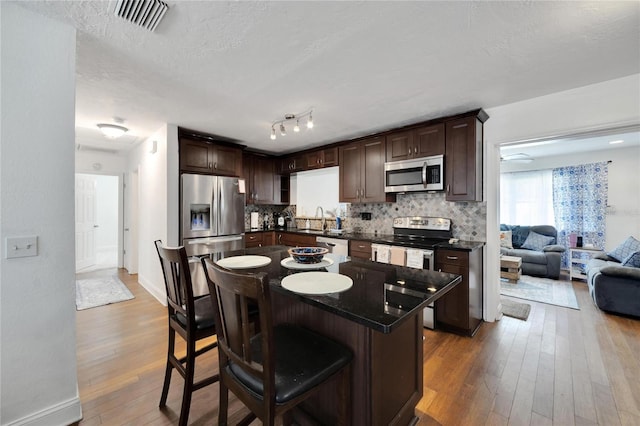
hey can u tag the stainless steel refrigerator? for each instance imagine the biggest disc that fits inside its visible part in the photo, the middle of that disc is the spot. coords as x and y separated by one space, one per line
211 218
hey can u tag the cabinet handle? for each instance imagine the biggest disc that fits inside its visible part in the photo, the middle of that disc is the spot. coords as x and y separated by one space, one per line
448 189
215 165
211 165
279 238
409 151
415 149
452 257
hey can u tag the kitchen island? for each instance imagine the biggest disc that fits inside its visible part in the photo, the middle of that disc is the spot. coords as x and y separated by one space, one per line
379 318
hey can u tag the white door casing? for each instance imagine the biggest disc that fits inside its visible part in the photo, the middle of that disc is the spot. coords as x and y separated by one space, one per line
85 210
130 232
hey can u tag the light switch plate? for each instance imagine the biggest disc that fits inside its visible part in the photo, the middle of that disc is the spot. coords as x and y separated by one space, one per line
21 247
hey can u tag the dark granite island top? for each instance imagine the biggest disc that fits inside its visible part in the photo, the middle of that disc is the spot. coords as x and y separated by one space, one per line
382 295
379 318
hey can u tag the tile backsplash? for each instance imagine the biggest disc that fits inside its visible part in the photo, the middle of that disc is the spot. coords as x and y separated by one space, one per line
468 218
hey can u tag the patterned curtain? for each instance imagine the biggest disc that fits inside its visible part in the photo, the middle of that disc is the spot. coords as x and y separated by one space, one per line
579 204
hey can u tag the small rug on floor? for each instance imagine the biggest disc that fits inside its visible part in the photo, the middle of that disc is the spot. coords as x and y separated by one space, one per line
94 292
545 290
515 309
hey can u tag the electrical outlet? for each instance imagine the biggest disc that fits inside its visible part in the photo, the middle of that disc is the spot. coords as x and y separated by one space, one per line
365 216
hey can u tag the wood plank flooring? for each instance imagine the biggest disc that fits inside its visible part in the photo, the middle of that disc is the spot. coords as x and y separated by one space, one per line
560 367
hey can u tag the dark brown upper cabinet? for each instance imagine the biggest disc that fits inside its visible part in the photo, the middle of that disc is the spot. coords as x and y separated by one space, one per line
210 158
263 183
362 171
416 143
463 158
322 158
293 163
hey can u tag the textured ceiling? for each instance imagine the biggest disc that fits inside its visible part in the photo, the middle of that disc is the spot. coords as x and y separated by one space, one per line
232 68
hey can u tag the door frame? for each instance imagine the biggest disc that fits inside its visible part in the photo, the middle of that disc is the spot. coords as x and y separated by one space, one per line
120 207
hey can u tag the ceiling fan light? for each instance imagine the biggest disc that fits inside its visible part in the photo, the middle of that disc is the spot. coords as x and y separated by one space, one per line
112 131
283 131
310 122
273 133
296 128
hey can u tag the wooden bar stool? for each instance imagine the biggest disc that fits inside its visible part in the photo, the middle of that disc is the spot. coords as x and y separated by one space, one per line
193 319
272 371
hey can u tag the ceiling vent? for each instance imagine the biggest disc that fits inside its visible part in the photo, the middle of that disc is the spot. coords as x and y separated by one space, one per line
144 13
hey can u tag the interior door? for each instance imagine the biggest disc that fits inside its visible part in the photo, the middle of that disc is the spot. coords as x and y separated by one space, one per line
85 199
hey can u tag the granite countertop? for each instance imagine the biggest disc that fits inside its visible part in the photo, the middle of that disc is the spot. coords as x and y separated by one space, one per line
373 238
382 297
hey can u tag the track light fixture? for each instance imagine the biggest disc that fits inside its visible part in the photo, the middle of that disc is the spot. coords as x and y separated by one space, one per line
290 117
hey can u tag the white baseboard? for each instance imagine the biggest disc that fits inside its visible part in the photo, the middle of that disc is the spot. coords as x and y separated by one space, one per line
153 290
64 413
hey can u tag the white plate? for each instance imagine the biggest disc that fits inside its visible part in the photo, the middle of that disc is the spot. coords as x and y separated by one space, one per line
244 262
290 263
316 282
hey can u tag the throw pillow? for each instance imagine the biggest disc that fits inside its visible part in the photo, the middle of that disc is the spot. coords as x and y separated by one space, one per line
536 241
505 239
632 260
629 246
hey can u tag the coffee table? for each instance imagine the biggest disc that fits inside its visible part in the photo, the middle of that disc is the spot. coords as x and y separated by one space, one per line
511 268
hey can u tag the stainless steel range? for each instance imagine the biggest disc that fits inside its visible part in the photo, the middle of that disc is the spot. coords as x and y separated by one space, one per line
413 244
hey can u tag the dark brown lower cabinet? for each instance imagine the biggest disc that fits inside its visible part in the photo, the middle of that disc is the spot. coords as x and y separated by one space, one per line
360 249
294 240
258 239
460 310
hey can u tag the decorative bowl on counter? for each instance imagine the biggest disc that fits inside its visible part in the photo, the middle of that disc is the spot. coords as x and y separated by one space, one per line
308 254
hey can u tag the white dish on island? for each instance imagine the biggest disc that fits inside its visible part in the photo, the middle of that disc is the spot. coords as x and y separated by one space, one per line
244 262
290 263
316 282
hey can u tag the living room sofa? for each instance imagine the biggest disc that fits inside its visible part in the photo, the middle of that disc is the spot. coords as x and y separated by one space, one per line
614 284
542 259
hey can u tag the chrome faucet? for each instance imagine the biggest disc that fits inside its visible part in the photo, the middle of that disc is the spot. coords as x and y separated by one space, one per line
324 221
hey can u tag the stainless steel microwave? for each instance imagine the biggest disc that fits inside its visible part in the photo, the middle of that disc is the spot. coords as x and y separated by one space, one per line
418 174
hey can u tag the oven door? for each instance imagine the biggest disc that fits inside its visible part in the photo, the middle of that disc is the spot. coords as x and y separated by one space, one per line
423 174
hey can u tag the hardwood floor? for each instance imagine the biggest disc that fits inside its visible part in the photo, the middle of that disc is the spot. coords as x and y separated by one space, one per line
560 367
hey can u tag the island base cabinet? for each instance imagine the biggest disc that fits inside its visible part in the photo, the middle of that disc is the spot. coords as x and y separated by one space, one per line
460 310
386 370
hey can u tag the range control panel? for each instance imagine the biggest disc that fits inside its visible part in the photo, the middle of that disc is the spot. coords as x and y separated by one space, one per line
423 222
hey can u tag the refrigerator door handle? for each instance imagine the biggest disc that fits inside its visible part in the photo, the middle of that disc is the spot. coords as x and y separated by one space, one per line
214 239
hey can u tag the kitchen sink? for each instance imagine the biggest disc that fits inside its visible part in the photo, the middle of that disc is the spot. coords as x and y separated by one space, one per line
311 231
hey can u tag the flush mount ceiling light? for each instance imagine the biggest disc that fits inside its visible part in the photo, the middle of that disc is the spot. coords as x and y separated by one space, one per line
112 131
520 157
291 118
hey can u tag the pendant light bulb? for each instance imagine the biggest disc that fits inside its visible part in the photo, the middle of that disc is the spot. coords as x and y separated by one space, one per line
273 133
297 126
283 131
310 122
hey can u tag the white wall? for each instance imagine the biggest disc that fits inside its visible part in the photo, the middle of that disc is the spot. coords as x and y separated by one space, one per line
623 215
158 175
37 294
609 104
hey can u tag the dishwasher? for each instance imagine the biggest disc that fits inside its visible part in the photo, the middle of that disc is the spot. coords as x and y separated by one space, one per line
335 245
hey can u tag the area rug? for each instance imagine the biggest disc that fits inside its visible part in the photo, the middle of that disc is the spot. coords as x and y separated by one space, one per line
515 309
94 292
545 290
